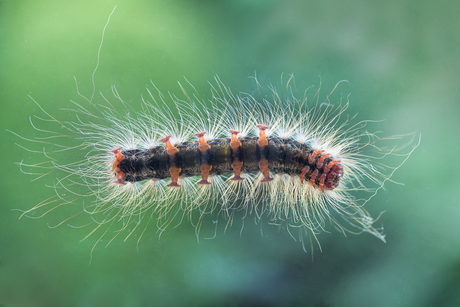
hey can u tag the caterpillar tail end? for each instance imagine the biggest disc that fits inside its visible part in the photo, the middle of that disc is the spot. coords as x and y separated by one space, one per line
120 181
118 173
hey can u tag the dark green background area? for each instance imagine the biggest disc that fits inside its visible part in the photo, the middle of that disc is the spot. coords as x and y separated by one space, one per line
401 59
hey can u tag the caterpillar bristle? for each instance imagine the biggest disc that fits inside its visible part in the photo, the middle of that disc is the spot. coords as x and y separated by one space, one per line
342 161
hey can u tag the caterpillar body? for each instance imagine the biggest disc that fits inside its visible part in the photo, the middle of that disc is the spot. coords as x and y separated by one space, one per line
297 162
222 156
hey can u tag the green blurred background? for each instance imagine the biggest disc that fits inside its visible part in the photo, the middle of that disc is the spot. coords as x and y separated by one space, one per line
401 59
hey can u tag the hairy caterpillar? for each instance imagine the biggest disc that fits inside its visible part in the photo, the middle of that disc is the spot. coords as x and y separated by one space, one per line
296 163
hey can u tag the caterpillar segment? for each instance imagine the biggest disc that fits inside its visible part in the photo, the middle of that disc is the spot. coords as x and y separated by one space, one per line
205 157
262 145
237 162
228 155
172 161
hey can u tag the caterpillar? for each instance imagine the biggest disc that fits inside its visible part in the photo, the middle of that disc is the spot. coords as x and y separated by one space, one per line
298 163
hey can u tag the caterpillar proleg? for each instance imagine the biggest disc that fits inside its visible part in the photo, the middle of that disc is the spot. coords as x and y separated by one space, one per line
296 161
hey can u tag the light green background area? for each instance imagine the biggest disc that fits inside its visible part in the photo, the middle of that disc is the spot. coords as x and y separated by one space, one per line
402 63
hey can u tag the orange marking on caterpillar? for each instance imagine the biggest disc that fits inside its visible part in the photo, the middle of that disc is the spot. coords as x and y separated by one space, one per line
263 165
338 168
237 165
262 142
313 177
330 165
116 169
303 173
312 156
169 147
173 169
320 162
235 145
203 146
322 178
205 168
